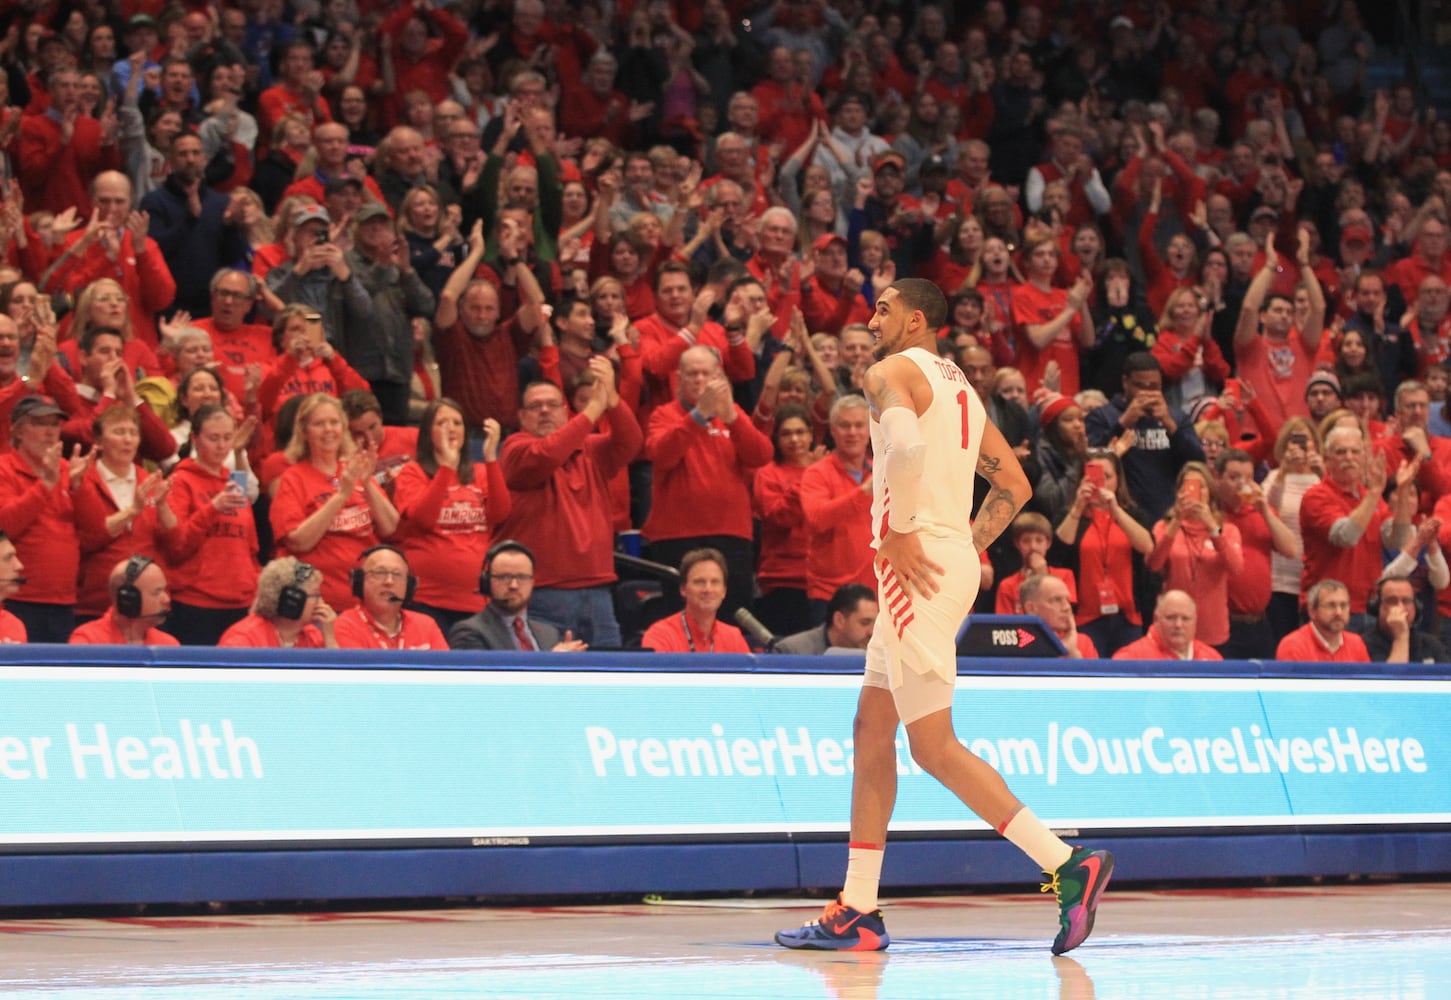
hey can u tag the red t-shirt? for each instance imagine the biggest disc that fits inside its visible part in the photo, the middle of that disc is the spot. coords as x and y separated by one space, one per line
838 519
256 632
1278 372
1008 602
301 492
1305 645
1105 556
1031 307
105 632
12 629
669 635
356 629
1250 592
249 344
285 378
446 530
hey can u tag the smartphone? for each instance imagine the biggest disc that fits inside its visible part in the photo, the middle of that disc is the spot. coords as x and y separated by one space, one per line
1231 387
1093 472
239 480
1193 490
1301 439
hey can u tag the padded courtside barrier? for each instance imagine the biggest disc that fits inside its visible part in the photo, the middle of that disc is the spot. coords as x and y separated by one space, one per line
180 775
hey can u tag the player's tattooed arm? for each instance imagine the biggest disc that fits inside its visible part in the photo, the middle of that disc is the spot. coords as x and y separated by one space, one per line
881 394
998 509
1009 488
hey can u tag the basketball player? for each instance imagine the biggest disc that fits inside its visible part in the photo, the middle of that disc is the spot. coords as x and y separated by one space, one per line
930 431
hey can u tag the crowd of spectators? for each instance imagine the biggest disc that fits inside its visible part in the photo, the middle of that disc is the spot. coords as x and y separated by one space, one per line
349 323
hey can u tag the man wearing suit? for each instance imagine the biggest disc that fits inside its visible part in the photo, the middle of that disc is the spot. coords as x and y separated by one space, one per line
850 615
507 581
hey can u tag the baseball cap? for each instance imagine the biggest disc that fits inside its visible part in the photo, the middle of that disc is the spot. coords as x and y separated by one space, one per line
310 213
140 21
1121 22
935 164
891 157
1323 377
827 239
1264 212
371 211
35 406
338 183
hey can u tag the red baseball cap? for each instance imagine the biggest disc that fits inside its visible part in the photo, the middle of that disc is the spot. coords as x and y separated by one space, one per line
827 239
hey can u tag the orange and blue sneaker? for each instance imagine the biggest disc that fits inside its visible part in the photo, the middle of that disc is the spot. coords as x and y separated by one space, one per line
840 928
1078 883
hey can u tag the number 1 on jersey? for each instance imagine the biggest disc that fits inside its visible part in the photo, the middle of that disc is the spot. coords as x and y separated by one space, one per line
962 403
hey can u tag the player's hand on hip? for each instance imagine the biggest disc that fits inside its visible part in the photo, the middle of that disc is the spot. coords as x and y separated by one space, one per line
903 555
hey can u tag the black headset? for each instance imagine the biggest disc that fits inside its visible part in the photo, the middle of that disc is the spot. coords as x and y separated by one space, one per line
358 575
128 595
292 599
496 550
1372 603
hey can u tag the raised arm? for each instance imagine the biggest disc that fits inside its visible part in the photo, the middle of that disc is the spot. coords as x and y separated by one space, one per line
446 314
1249 312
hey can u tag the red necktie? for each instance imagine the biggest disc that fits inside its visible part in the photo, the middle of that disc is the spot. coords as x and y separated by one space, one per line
522 636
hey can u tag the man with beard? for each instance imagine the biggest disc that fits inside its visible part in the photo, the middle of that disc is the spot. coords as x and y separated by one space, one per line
195 227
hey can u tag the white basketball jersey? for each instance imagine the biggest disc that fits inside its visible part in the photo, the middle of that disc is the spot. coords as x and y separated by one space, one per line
952 428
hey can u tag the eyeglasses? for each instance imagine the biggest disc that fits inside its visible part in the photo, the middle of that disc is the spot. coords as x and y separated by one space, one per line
542 406
386 574
227 293
508 578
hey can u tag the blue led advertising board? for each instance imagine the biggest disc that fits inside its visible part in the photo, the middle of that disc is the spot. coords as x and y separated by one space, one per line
183 757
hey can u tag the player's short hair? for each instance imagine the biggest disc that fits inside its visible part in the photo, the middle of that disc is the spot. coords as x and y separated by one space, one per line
919 294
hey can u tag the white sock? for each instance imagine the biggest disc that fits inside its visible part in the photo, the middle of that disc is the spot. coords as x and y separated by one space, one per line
863 876
1028 834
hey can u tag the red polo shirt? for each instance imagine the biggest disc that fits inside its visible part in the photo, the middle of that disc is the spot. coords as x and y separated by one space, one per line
1358 566
668 635
105 632
356 629
1306 645
1151 647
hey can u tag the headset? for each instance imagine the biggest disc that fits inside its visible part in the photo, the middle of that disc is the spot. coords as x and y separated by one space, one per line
292 599
496 550
358 575
128 595
1372 603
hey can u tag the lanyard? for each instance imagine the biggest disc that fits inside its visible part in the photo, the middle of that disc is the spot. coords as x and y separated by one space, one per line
690 639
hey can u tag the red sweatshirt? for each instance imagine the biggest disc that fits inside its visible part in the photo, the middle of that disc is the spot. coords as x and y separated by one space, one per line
700 474
56 177
446 530
105 632
157 443
777 494
286 378
838 515
661 345
41 521
560 485
100 552
142 273
212 554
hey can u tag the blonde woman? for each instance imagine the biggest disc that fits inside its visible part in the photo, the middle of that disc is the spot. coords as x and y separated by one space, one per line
104 303
1298 466
329 509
